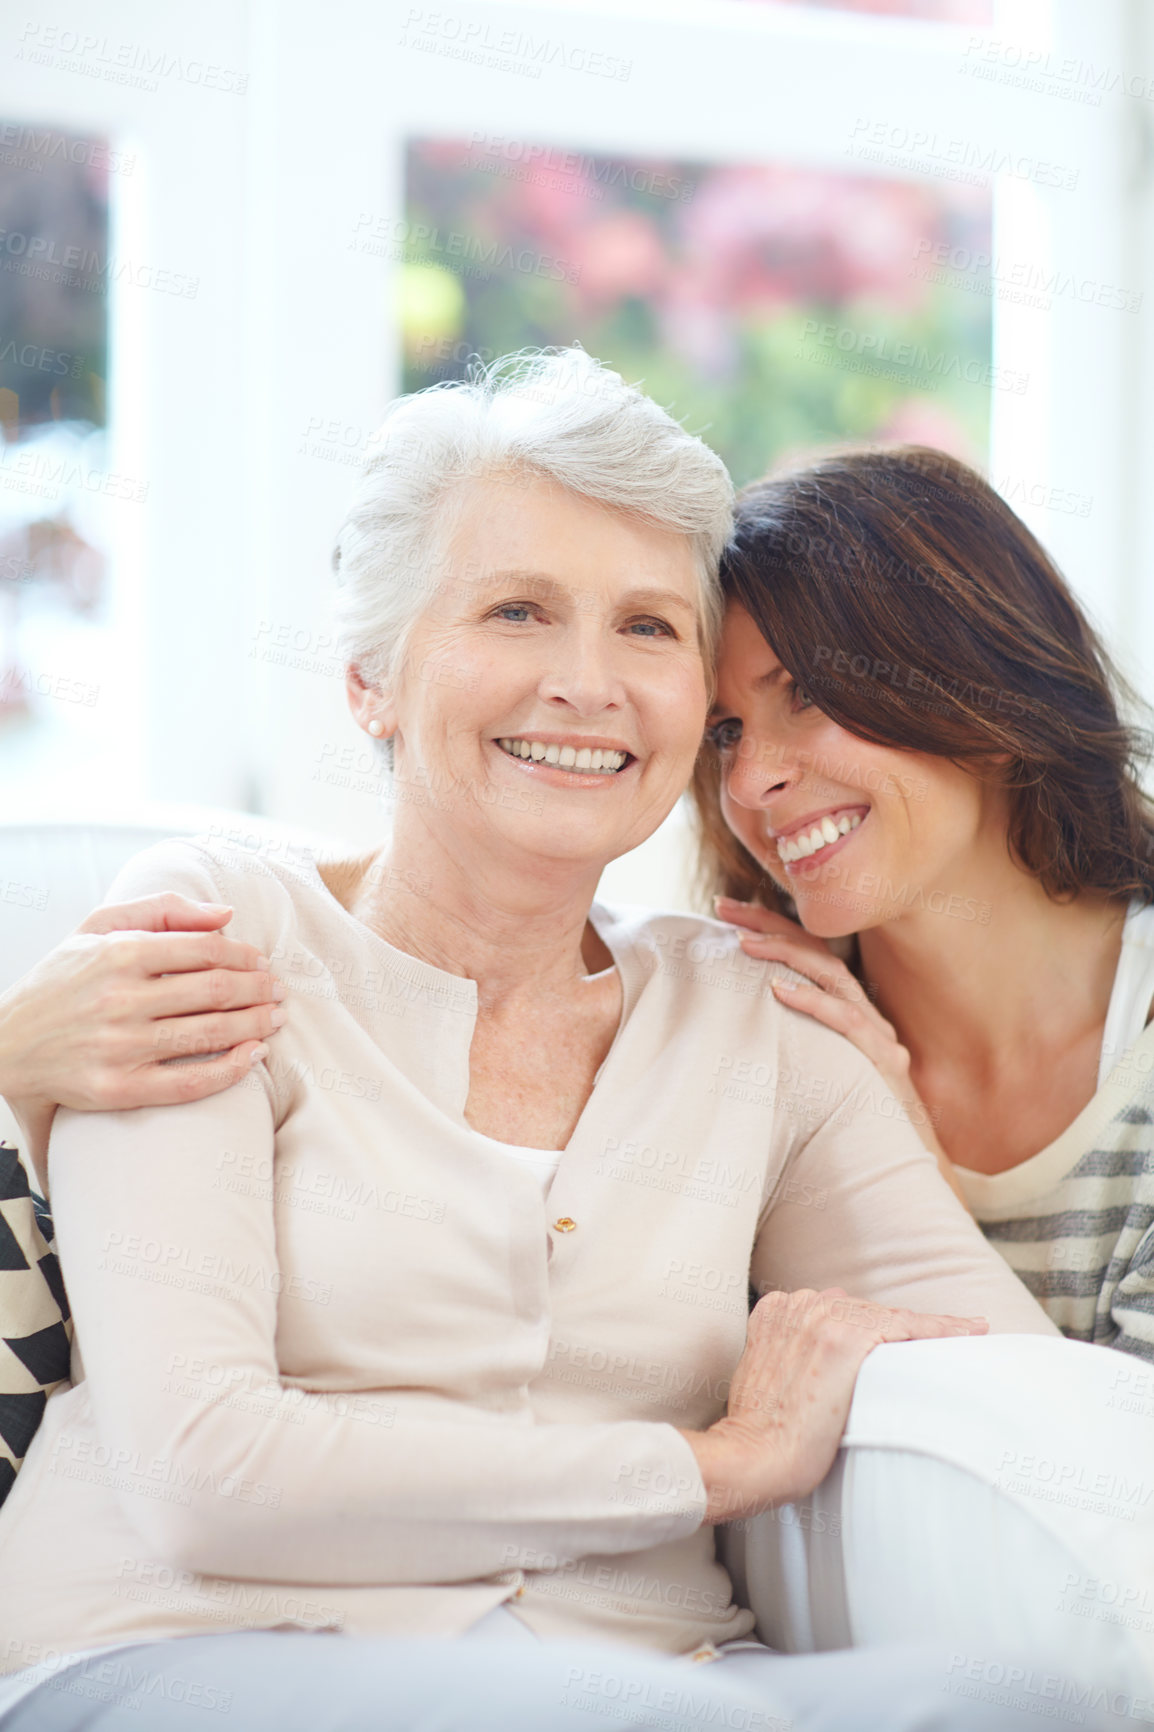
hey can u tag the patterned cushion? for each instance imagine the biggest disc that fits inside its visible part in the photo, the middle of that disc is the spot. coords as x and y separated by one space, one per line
35 1329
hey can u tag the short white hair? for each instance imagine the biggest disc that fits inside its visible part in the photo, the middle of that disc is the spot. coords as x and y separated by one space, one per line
554 413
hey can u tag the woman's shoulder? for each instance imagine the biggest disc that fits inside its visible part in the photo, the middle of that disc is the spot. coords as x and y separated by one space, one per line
259 877
695 956
664 931
698 967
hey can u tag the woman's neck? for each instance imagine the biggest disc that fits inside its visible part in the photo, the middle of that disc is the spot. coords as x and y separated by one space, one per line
515 926
1010 969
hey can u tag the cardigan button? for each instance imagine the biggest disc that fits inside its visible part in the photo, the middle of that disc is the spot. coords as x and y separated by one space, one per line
564 1224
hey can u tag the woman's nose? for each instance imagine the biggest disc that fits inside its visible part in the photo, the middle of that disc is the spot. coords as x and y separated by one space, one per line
585 678
757 769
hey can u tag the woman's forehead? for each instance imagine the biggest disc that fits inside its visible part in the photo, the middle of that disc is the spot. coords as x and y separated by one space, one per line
744 652
559 543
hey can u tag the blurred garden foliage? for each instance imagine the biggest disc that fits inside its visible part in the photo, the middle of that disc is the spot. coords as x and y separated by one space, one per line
772 307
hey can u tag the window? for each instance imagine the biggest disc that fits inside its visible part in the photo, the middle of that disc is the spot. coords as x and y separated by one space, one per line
59 660
774 307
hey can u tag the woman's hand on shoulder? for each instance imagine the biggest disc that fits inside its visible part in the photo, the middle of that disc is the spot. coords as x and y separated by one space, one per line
834 996
93 1024
790 1395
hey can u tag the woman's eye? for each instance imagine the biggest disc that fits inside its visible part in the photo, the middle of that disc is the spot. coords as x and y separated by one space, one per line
514 611
800 698
723 736
651 627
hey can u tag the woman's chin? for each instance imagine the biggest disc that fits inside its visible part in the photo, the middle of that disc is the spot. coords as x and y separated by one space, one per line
562 838
830 910
826 922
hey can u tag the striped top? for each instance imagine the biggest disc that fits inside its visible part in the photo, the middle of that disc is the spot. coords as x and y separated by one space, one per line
1076 1221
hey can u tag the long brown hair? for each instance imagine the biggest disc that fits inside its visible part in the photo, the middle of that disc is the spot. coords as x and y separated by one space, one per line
919 612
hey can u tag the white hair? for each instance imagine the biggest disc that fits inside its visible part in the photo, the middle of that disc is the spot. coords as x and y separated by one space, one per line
554 413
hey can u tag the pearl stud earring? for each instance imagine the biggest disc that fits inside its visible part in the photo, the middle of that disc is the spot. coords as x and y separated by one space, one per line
376 728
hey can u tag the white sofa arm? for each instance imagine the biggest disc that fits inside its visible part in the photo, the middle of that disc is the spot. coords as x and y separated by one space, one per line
992 1497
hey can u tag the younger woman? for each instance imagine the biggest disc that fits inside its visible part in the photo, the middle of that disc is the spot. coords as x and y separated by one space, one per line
916 745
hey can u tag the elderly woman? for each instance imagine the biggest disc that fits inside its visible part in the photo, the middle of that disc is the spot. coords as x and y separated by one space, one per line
402 1335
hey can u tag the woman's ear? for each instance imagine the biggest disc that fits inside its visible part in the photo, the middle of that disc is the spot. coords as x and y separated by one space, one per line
371 709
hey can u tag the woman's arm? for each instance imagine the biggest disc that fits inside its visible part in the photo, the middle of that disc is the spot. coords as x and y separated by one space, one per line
1132 1307
281 1485
137 984
165 1268
165 1265
861 1204
831 994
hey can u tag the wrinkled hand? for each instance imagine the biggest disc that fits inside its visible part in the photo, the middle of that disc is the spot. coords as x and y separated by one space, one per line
93 1024
790 1395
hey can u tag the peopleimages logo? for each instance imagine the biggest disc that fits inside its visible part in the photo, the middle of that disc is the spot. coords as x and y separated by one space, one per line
137 64
546 164
472 39
997 1682
86 267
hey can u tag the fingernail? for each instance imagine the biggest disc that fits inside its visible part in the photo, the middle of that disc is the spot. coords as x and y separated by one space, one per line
215 907
278 1017
262 962
278 990
785 985
258 1052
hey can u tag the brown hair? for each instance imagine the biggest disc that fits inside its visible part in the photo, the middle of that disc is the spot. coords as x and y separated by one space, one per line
919 612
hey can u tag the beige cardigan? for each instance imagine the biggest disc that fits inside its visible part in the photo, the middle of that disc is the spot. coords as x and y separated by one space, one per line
338 1362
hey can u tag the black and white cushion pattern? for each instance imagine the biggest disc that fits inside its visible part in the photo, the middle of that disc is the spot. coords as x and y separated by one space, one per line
35 1329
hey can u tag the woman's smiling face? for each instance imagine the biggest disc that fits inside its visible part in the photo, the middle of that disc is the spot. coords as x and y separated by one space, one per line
857 834
554 691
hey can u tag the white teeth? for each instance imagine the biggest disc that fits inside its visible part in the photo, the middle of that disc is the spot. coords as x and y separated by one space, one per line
583 759
809 842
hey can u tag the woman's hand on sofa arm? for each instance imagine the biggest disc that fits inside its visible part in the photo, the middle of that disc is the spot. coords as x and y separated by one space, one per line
790 1395
93 1024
